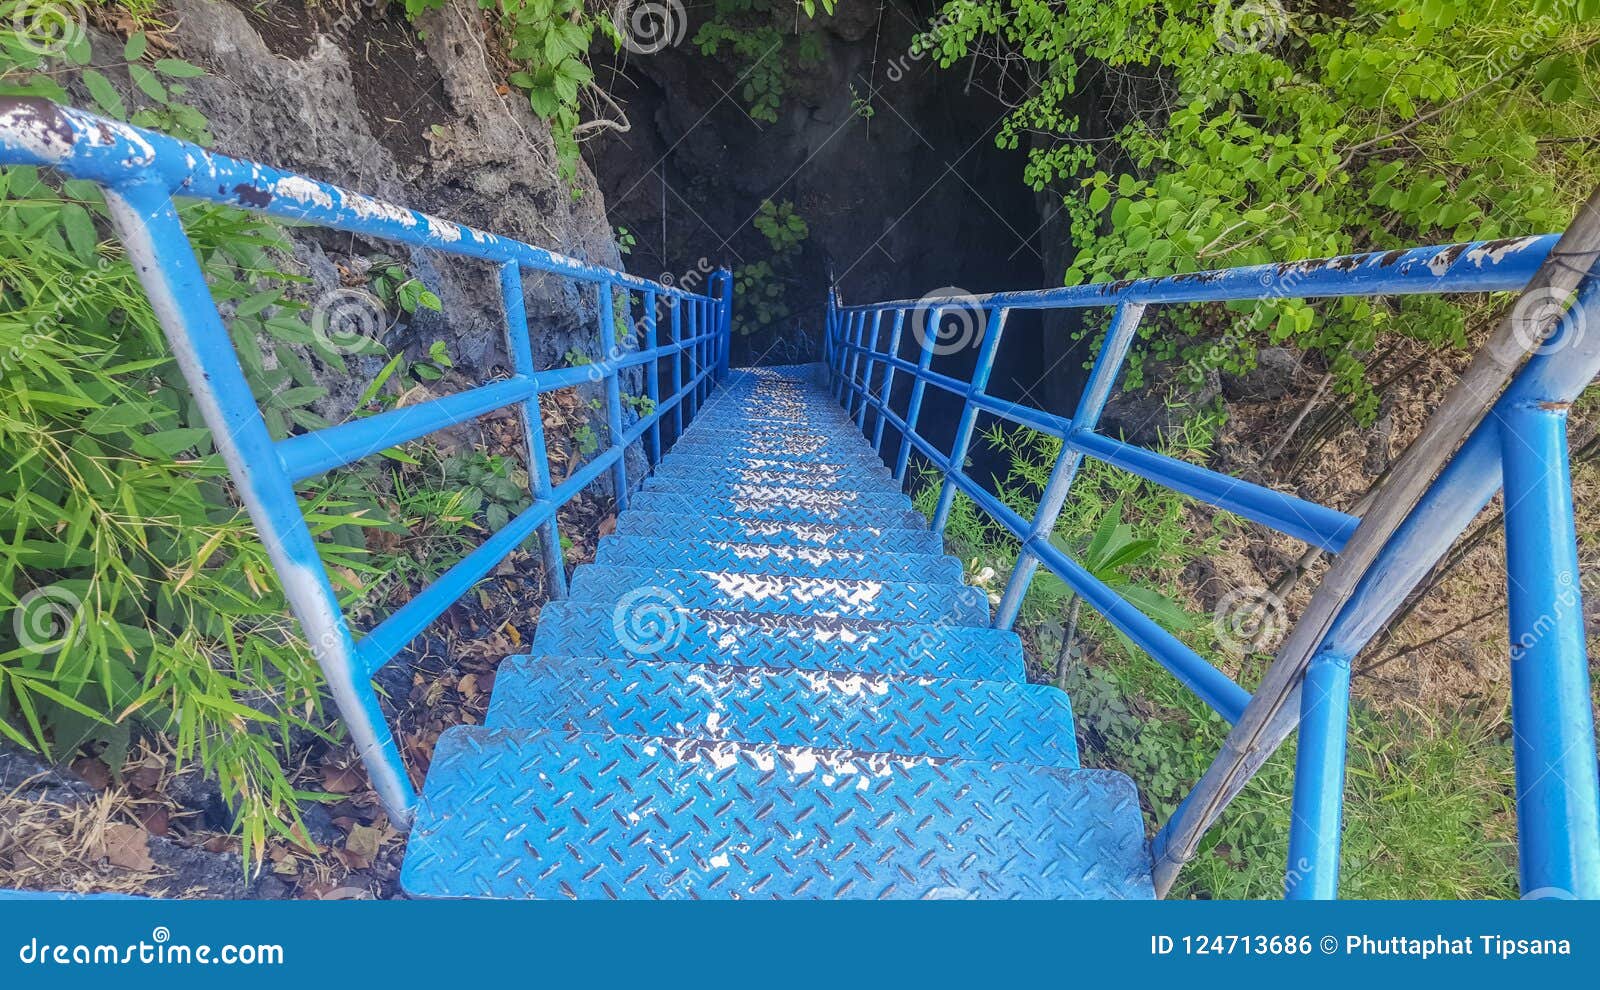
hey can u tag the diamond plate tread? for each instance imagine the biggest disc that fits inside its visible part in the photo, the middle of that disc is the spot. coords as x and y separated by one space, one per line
568 628
530 814
760 413
808 470
776 444
649 591
775 510
677 526
723 475
998 721
637 551
728 450
838 500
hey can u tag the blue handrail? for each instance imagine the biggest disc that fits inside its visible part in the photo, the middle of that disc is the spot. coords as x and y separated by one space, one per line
141 172
1559 812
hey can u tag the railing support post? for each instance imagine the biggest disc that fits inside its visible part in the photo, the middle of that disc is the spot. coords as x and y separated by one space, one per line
886 389
1318 806
1552 718
929 334
148 225
675 327
724 323
613 380
652 378
969 414
866 374
1096 393
520 347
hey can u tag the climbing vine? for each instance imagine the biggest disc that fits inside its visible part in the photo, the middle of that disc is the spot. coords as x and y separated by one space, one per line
761 288
765 39
1183 135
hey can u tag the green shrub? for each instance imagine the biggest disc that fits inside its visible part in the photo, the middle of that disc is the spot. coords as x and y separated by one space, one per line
1253 133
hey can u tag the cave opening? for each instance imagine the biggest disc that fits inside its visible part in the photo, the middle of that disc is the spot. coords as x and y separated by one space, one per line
891 163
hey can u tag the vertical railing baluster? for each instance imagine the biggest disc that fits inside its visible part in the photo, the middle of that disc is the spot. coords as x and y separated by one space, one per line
1096 392
520 345
613 380
987 349
1317 813
675 326
725 324
866 372
652 376
886 389
1552 714
929 333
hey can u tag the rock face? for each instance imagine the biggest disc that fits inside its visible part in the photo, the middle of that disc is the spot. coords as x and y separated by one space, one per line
351 95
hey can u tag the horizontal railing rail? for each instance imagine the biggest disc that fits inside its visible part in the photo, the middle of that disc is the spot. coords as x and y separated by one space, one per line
1560 834
141 172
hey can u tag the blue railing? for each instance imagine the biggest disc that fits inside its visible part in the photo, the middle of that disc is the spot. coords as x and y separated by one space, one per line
1523 437
141 172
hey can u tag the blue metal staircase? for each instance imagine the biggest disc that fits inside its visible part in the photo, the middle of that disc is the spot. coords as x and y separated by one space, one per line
715 713
771 682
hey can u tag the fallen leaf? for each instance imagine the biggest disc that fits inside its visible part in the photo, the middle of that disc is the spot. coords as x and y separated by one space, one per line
155 820
363 841
340 780
94 771
127 846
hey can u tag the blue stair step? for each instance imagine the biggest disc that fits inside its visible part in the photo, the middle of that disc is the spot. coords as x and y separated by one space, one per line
759 640
733 451
885 601
995 721
518 813
639 551
821 477
888 498
772 682
774 509
670 525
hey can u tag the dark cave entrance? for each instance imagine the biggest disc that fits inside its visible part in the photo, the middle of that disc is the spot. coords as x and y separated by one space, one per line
910 198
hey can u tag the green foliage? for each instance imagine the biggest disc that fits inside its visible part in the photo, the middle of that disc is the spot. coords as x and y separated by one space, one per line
137 597
761 288
1296 134
765 38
